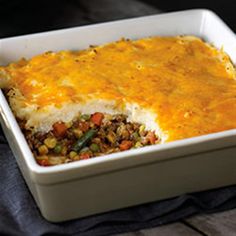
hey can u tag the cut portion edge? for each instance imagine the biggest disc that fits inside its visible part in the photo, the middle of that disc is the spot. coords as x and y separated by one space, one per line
78 131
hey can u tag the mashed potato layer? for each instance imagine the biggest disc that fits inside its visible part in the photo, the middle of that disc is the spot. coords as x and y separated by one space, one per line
179 87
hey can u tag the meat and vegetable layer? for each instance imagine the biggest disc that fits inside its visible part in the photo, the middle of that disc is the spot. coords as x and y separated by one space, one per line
86 137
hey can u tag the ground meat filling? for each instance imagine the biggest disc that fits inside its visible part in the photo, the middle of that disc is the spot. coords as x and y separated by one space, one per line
86 137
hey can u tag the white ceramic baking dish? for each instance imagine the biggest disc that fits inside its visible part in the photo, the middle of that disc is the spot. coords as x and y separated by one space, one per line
136 176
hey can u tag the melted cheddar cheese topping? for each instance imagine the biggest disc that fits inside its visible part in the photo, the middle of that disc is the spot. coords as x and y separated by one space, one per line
188 84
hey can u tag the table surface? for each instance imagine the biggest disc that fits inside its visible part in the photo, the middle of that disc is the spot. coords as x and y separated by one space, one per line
217 224
81 12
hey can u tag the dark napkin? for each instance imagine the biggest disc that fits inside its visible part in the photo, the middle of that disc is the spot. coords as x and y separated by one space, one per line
19 214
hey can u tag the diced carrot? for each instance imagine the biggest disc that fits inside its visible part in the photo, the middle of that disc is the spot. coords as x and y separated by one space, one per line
151 137
43 162
97 118
84 156
125 145
59 129
83 126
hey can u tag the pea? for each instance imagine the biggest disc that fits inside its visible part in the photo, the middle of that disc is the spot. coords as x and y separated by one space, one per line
85 117
94 147
57 149
135 135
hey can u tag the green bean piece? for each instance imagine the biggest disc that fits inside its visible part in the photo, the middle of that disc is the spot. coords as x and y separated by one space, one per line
81 142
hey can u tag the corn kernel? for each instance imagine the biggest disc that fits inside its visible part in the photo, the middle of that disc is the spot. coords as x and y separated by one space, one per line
141 128
43 157
50 142
72 154
138 144
78 133
43 150
76 158
56 160
69 124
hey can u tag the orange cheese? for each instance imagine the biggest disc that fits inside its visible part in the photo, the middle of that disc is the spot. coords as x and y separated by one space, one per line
189 84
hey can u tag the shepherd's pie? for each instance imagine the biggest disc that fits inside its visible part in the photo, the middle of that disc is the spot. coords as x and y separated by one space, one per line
74 105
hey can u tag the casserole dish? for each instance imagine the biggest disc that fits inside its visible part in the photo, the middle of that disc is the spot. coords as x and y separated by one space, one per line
135 176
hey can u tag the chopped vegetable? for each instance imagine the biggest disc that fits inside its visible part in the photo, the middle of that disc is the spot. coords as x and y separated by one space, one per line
135 136
125 145
97 118
59 129
84 156
94 147
50 142
43 150
138 144
75 158
69 124
64 150
84 149
78 133
72 154
43 160
80 143
85 117
111 136
55 160
151 137
123 132
142 130
57 149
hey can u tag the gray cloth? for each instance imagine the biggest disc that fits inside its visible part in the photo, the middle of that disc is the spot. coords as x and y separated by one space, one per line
19 214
